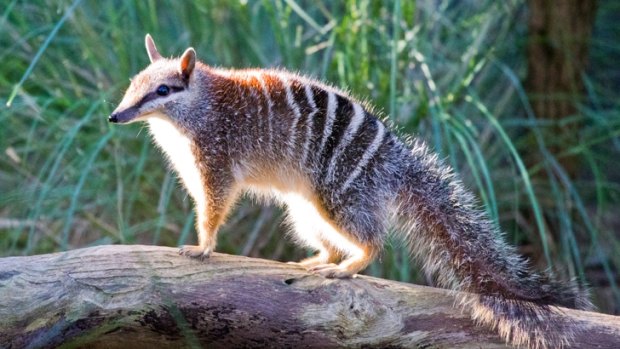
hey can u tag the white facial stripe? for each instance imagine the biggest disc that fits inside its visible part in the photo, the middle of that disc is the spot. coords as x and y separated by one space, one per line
368 154
309 123
290 100
354 124
329 118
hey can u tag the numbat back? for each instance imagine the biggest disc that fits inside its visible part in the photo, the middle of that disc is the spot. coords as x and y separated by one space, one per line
344 178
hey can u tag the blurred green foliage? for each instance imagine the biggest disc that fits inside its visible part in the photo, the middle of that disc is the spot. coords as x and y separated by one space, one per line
448 71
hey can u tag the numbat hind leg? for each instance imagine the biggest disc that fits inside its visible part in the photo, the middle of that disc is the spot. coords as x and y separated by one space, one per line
358 240
325 256
327 233
349 266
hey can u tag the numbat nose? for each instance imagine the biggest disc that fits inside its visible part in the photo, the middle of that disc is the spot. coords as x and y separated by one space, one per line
124 116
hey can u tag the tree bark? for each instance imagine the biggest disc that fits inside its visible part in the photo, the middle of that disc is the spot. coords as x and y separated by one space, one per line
139 296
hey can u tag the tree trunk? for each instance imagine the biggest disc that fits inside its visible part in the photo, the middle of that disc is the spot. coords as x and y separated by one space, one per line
145 296
559 36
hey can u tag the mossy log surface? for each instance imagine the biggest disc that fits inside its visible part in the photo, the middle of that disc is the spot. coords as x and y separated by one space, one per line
148 296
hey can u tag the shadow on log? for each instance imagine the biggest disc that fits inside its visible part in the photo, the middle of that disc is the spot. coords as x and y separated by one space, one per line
146 296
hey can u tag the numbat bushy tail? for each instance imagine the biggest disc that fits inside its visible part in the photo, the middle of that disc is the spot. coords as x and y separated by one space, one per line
345 180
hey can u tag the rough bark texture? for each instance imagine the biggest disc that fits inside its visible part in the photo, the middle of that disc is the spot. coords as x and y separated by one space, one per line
142 296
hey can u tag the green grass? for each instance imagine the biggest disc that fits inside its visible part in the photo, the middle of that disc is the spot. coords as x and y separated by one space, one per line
447 71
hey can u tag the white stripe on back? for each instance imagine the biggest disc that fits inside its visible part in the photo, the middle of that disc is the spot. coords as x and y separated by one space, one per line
309 122
329 119
368 154
259 77
290 100
354 124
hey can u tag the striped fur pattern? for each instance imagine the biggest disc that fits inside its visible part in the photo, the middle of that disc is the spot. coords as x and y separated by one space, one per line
345 179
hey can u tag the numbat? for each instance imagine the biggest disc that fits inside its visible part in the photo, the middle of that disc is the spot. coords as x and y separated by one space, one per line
344 178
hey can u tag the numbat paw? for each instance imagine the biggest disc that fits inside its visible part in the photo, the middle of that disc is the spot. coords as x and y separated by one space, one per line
311 262
195 252
332 271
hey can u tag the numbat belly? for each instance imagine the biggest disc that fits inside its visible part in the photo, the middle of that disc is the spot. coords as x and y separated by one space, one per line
344 178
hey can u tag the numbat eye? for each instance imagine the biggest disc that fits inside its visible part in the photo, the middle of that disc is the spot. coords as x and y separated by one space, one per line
163 90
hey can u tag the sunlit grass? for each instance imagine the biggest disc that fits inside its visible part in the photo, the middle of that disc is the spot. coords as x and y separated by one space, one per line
448 71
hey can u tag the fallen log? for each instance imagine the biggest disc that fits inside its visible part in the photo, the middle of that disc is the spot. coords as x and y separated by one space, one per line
147 296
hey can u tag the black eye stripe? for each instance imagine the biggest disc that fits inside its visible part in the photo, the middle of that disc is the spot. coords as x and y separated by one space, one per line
153 95
171 88
164 90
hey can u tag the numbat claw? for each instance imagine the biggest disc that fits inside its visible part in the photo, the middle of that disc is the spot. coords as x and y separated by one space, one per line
194 252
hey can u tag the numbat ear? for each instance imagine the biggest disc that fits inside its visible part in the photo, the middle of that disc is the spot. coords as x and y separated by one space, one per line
188 61
151 49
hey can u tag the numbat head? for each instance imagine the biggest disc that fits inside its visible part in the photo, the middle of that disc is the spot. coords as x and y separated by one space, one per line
162 88
345 180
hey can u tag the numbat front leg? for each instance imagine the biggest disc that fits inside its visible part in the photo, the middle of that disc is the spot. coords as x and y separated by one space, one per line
207 237
211 213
